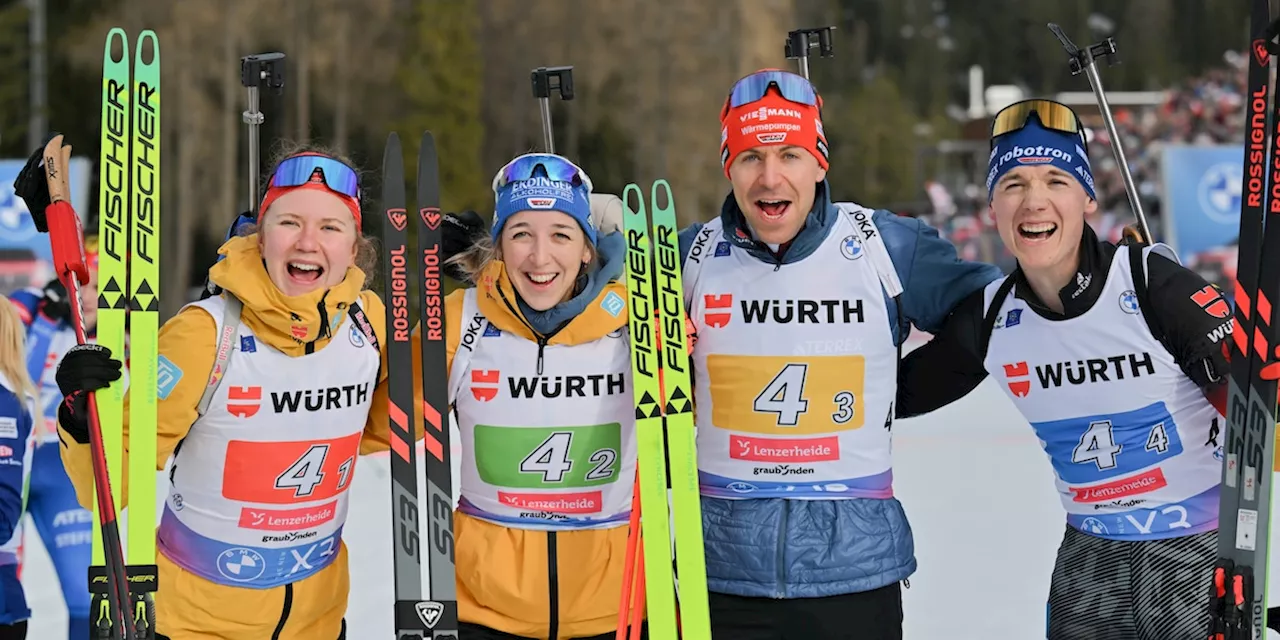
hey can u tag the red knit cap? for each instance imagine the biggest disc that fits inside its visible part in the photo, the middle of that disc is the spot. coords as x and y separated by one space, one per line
771 120
273 193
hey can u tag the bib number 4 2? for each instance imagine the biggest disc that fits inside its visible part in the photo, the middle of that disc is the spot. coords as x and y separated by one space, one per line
551 459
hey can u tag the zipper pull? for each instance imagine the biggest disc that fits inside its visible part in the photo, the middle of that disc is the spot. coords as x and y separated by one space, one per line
542 343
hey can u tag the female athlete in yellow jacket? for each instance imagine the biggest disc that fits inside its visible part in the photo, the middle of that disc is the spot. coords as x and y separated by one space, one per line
540 377
265 441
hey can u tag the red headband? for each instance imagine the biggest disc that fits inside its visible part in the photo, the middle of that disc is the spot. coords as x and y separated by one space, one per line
772 120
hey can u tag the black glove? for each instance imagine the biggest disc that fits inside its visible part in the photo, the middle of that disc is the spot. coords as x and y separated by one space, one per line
84 368
460 232
33 187
55 304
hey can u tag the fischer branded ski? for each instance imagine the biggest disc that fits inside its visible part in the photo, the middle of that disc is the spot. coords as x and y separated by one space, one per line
437 615
1238 608
664 420
144 328
129 283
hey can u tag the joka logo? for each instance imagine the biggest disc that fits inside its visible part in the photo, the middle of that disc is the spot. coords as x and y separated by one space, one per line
398 218
1211 301
1019 388
244 402
719 309
771 138
541 203
1260 53
484 384
431 216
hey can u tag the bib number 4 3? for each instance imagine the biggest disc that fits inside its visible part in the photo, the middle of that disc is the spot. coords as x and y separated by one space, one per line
784 396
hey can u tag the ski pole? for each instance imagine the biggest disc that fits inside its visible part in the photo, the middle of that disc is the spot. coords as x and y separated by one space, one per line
1083 60
800 41
62 224
545 80
255 70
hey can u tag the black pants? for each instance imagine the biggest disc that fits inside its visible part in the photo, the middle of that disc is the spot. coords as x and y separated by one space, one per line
1131 590
15 631
468 631
870 615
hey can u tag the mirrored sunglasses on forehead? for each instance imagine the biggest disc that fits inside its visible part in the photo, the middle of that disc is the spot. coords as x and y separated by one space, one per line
793 87
298 170
555 168
1054 116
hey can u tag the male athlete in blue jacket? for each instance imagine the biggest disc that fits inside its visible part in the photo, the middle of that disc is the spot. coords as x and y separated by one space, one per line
800 307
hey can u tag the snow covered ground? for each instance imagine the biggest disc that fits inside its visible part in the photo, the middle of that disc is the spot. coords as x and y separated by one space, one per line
975 483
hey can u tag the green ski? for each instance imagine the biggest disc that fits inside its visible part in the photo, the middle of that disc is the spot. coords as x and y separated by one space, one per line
650 445
113 240
129 282
664 420
677 401
144 324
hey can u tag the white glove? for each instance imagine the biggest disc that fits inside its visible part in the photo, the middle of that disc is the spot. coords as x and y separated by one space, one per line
606 213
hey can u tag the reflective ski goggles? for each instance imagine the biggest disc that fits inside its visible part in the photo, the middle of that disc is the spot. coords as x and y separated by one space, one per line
792 86
298 170
1052 115
554 167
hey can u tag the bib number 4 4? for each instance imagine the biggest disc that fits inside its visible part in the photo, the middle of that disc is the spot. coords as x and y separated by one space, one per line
1098 444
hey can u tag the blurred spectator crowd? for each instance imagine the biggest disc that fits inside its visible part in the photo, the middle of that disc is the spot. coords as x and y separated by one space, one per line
1208 109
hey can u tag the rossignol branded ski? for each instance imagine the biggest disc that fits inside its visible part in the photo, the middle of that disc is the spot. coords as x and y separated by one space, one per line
664 420
436 615
129 288
1238 609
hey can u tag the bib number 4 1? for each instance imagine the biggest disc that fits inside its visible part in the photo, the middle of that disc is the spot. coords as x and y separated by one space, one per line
304 475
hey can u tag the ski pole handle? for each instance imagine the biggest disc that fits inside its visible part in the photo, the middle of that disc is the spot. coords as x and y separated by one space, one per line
547 80
65 231
1082 60
255 71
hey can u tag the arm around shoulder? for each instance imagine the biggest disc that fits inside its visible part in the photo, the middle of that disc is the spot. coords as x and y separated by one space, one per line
934 279
947 367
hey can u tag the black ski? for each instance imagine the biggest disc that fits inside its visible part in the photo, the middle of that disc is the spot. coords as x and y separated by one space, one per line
1238 609
399 270
442 613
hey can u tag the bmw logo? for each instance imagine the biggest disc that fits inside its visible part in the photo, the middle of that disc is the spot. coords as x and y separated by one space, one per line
1219 192
851 247
1129 302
